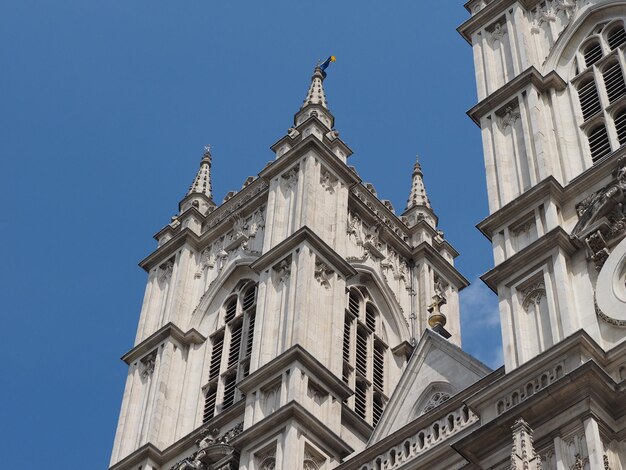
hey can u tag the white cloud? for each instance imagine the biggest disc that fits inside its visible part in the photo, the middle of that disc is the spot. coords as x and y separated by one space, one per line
479 305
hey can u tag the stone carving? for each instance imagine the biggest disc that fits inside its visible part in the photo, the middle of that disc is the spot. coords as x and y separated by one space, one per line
223 212
549 11
602 217
292 132
328 181
376 206
497 33
267 460
289 179
523 455
533 294
282 271
210 441
229 196
312 461
605 460
434 401
387 203
332 135
509 117
323 273
249 180
605 317
147 364
166 270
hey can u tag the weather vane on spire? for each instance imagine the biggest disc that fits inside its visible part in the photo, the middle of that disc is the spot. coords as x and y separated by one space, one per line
207 149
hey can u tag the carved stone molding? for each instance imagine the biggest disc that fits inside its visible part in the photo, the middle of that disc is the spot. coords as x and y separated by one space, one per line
212 447
549 11
282 271
523 455
497 33
166 270
289 179
509 117
328 181
148 364
323 273
533 294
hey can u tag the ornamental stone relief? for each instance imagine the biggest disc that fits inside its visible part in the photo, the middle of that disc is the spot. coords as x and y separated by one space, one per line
282 271
508 117
328 181
166 270
550 10
212 447
289 179
602 217
148 363
497 33
323 273
532 295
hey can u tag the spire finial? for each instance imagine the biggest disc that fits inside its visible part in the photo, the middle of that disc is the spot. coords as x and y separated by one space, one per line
316 94
418 196
202 182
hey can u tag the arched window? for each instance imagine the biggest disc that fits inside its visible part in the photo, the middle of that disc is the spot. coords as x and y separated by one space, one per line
620 125
232 346
599 145
589 99
592 53
364 352
616 36
613 81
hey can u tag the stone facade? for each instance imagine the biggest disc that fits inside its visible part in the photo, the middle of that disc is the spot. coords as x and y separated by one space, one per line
303 324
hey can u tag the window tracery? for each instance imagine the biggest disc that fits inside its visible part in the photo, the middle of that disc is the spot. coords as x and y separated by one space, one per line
364 355
232 346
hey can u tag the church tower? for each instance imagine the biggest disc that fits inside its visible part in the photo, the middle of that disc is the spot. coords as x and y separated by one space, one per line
276 326
552 112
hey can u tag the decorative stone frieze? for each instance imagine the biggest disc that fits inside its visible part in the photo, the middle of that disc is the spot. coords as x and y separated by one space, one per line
533 294
328 181
166 270
602 217
435 400
431 435
212 448
227 210
497 33
508 117
372 203
289 179
521 393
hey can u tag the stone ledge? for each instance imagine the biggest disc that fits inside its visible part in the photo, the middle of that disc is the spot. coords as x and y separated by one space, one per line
168 330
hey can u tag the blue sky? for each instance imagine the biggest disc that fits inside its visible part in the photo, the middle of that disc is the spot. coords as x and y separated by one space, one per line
105 109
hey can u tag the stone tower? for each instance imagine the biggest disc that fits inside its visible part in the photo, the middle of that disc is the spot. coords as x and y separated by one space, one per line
551 109
276 325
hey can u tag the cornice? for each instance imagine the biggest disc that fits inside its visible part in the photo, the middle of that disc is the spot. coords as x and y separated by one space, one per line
529 256
531 76
295 354
167 331
161 457
550 187
184 236
305 234
208 200
293 410
322 151
519 206
350 419
488 14
435 258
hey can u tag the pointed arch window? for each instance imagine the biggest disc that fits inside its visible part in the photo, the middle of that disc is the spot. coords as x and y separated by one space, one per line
589 99
616 36
232 346
592 53
620 125
613 81
364 355
599 145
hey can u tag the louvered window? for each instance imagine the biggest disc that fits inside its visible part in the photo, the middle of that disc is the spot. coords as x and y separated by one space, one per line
229 391
370 318
614 81
231 310
238 334
589 101
620 126
209 402
216 356
353 304
235 344
360 399
377 409
599 142
593 53
379 367
616 37
361 351
346 339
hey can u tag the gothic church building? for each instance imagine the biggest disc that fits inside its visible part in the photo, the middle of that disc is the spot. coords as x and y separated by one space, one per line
304 324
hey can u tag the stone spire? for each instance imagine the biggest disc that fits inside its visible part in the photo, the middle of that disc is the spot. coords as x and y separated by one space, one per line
316 93
200 194
418 195
523 455
202 183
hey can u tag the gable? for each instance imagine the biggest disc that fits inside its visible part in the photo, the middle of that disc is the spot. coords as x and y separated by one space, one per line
436 369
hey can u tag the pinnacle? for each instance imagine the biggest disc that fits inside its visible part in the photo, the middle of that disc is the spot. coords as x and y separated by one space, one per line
418 196
202 183
316 93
